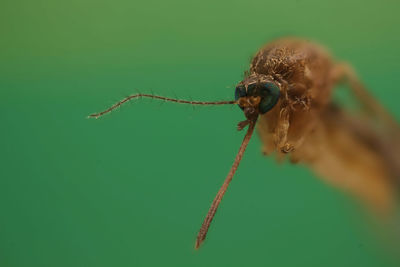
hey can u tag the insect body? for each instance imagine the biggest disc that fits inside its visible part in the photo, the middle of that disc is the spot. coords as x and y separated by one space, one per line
305 122
287 94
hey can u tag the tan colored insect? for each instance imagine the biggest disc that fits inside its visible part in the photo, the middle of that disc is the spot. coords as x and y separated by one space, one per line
288 90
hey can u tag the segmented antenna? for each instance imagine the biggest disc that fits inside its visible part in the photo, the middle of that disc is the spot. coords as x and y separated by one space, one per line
214 206
181 101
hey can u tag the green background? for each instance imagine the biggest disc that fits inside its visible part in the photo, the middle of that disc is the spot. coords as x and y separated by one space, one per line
132 188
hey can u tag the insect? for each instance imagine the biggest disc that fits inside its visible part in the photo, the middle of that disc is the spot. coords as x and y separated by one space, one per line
287 95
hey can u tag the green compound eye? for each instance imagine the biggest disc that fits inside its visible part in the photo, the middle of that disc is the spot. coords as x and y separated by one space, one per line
269 93
269 97
240 91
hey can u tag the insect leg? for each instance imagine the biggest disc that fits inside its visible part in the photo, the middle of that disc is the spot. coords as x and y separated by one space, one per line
347 74
281 131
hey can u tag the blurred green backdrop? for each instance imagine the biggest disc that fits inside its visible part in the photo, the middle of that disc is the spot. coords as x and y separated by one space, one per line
132 189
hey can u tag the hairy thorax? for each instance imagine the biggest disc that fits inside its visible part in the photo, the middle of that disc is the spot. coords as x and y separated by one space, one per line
306 126
305 73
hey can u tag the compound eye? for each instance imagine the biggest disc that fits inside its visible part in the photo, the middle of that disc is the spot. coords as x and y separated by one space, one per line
240 91
252 89
269 97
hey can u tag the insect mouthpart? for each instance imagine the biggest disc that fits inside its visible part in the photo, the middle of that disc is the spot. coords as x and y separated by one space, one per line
250 106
